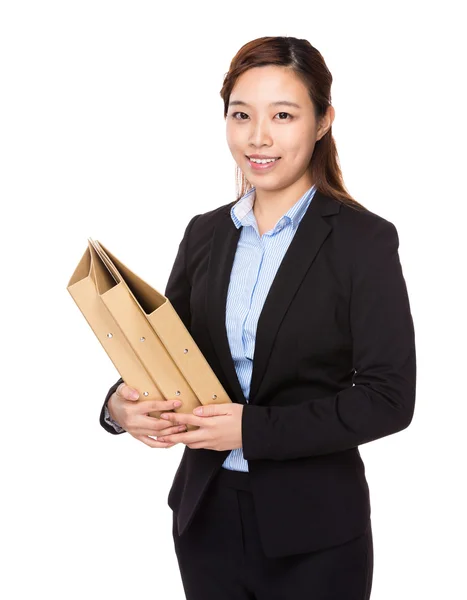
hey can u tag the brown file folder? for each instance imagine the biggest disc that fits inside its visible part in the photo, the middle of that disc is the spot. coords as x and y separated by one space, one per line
142 333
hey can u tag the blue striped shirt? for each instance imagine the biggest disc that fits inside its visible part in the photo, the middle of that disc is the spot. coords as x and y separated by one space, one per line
256 262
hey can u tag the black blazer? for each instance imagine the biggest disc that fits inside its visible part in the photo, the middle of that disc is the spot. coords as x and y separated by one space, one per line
334 367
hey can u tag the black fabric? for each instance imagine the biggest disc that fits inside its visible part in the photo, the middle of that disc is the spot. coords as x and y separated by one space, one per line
334 367
221 556
104 424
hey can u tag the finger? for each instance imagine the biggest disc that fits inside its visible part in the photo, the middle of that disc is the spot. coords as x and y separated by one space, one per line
185 438
201 445
186 418
162 432
153 443
127 392
211 410
148 406
154 423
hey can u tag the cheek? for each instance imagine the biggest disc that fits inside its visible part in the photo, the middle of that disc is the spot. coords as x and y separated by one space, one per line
298 143
233 139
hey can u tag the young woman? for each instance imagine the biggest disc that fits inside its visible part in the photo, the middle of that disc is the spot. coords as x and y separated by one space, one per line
295 294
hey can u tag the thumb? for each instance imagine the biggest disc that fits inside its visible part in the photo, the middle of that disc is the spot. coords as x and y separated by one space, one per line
127 392
209 410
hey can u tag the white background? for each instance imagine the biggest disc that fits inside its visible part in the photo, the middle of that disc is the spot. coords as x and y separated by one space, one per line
112 128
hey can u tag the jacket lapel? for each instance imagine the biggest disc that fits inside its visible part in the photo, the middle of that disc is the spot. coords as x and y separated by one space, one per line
311 233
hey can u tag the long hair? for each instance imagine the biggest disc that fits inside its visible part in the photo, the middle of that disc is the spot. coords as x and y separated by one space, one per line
305 60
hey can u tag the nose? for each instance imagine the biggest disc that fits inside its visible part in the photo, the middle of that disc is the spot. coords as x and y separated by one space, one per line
260 134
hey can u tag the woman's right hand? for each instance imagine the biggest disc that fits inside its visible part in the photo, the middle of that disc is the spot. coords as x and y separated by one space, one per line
133 416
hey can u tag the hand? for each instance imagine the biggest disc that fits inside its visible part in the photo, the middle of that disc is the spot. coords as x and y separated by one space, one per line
220 427
132 415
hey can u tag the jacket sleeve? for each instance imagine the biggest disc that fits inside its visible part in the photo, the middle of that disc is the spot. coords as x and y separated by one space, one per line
102 420
381 400
177 290
108 419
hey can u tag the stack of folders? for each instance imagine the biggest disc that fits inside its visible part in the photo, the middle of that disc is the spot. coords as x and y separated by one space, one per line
142 333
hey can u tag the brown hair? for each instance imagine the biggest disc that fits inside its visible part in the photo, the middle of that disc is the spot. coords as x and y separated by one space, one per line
306 61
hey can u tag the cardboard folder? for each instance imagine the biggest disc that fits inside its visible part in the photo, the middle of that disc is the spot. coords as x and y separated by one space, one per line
142 333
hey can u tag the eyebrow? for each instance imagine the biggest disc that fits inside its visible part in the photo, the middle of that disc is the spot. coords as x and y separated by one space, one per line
283 102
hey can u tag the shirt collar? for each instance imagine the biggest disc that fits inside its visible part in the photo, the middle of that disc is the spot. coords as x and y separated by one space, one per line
242 211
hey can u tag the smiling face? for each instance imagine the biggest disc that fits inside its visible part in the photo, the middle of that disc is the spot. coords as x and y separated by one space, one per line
271 114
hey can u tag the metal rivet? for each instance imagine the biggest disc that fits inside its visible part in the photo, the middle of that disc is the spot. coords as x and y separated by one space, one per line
214 396
109 335
145 393
185 351
177 393
141 339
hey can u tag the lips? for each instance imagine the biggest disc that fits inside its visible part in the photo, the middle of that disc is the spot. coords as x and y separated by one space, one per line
266 166
261 157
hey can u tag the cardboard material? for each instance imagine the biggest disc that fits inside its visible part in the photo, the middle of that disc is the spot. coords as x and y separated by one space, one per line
142 333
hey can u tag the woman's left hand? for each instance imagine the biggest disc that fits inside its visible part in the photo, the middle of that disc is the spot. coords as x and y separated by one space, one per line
220 427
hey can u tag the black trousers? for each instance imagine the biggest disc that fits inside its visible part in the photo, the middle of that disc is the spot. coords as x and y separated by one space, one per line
220 555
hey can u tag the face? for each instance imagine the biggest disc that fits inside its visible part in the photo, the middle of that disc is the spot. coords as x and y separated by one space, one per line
262 119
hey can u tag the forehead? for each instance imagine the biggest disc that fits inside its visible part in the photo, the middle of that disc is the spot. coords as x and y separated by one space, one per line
260 86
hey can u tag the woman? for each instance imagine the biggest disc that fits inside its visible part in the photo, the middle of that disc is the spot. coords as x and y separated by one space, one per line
294 292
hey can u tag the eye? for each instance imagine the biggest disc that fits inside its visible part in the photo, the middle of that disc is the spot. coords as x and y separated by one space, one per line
238 113
285 113
242 113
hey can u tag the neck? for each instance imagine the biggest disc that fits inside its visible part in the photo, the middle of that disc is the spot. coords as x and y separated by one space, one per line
269 204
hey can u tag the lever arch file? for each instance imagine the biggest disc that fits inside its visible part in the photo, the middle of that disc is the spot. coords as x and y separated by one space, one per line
142 333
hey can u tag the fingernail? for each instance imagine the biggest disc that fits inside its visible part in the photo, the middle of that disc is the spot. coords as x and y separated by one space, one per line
134 394
177 403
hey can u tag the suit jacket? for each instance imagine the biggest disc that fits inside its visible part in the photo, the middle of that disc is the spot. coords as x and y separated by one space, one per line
334 367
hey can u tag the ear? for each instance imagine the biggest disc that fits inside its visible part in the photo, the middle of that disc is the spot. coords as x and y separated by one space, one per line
326 122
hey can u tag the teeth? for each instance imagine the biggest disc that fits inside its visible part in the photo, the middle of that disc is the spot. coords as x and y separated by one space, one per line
263 161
